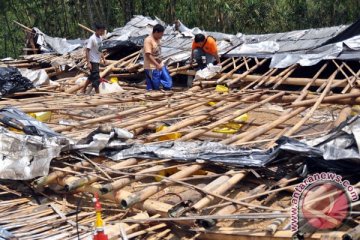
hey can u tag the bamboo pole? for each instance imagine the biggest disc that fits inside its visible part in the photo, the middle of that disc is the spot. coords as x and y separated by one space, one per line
86 28
160 235
118 184
278 83
192 120
304 91
77 87
227 75
149 191
232 116
238 78
234 234
143 121
112 65
280 75
230 209
274 225
347 98
91 179
338 83
242 216
156 207
248 136
148 230
282 183
194 195
228 63
41 182
106 118
23 26
343 115
263 77
220 190
290 81
352 81
313 109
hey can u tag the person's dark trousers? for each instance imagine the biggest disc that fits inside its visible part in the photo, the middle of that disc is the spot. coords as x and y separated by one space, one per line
198 54
94 76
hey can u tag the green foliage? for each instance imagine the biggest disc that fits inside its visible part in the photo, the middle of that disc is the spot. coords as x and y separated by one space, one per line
60 17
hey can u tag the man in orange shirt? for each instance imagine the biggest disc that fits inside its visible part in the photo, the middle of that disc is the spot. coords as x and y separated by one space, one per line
204 46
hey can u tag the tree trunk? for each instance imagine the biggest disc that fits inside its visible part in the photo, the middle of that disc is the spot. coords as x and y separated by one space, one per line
90 12
66 24
144 8
128 8
10 33
172 17
102 13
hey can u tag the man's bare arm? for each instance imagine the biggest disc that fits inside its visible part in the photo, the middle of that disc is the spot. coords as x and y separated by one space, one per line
216 55
87 53
103 58
192 57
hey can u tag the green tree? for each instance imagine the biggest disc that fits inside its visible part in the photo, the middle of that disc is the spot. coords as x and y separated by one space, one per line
60 17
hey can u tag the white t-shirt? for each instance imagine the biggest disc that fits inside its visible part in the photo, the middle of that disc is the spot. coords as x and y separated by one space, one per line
94 43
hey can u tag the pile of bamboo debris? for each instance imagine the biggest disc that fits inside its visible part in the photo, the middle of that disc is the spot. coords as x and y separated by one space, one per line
166 199
158 199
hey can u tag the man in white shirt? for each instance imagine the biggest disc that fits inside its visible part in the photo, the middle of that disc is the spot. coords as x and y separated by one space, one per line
94 56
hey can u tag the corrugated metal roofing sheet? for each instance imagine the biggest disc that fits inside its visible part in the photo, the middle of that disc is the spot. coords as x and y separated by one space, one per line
303 44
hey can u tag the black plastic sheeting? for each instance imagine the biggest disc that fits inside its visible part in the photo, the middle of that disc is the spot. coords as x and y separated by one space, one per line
11 81
337 151
351 31
132 42
12 117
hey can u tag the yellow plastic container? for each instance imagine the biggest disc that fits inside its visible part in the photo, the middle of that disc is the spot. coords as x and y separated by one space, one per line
170 136
41 116
114 80
221 89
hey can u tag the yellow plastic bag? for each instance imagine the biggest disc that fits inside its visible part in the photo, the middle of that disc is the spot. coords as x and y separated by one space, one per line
15 130
114 80
355 110
232 127
212 103
221 89
242 119
41 116
166 173
170 136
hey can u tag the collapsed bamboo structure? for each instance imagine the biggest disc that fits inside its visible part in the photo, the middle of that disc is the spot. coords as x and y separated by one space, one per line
247 104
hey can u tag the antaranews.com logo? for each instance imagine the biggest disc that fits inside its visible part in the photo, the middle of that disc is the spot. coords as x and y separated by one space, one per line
322 201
